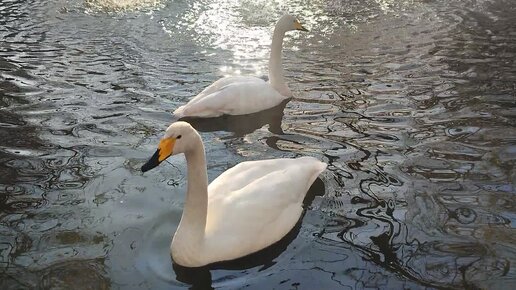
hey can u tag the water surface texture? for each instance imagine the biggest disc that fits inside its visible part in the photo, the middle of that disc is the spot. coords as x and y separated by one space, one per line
411 103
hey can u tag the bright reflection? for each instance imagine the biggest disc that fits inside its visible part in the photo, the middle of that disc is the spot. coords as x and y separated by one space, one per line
244 28
393 5
232 26
121 5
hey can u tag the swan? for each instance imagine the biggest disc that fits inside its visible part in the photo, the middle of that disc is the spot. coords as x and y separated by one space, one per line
247 208
240 95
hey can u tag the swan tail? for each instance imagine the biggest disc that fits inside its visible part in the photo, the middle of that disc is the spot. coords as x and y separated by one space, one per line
180 112
320 167
317 168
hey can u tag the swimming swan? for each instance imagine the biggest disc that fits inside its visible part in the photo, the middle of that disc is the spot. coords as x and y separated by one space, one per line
245 209
239 95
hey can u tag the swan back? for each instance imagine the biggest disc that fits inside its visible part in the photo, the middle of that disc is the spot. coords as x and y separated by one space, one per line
259 199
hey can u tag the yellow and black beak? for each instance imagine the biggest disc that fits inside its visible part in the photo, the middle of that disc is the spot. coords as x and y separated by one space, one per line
298 26
164 151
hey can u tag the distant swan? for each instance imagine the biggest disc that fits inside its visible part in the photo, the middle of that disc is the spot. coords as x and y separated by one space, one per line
247 208
239 95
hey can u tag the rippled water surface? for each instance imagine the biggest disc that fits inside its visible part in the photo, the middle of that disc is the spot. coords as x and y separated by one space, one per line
411 103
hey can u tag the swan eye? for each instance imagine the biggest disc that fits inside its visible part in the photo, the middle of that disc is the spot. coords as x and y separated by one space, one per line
179 137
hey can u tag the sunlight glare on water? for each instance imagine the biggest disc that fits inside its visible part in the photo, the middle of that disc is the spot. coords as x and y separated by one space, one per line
121 5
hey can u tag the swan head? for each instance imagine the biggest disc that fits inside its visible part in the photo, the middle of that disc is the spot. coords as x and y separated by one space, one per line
179 138
288 22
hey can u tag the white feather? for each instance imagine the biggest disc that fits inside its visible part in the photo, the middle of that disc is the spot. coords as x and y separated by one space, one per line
240 95
255 204
236 98
245 209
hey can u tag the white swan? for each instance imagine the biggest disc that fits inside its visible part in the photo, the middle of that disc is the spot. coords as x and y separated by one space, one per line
239 95
244 210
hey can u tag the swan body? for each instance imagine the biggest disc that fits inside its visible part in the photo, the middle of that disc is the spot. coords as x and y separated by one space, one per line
245 209
239 95
232 97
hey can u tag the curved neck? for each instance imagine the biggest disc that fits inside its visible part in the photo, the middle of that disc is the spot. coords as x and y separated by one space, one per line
276 78
196 203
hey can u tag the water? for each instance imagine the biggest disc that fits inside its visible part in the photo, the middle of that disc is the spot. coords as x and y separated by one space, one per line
411 103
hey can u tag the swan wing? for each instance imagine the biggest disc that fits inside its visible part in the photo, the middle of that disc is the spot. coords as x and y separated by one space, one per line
236 98
255 204
222 82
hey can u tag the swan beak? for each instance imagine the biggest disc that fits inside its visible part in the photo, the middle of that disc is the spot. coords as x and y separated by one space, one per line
298 26
164 151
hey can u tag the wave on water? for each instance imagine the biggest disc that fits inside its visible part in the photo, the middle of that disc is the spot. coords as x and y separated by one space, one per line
121 5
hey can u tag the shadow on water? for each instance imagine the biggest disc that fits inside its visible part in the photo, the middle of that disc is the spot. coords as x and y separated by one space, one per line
200 278
242 125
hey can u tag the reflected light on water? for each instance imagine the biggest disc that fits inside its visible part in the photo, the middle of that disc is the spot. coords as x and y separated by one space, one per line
223 25
243 28
121 5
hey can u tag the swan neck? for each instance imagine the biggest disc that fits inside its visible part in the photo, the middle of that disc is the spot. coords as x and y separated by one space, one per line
196 203
276 75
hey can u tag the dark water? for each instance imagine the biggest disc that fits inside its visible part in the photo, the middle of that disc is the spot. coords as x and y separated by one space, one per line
412 104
